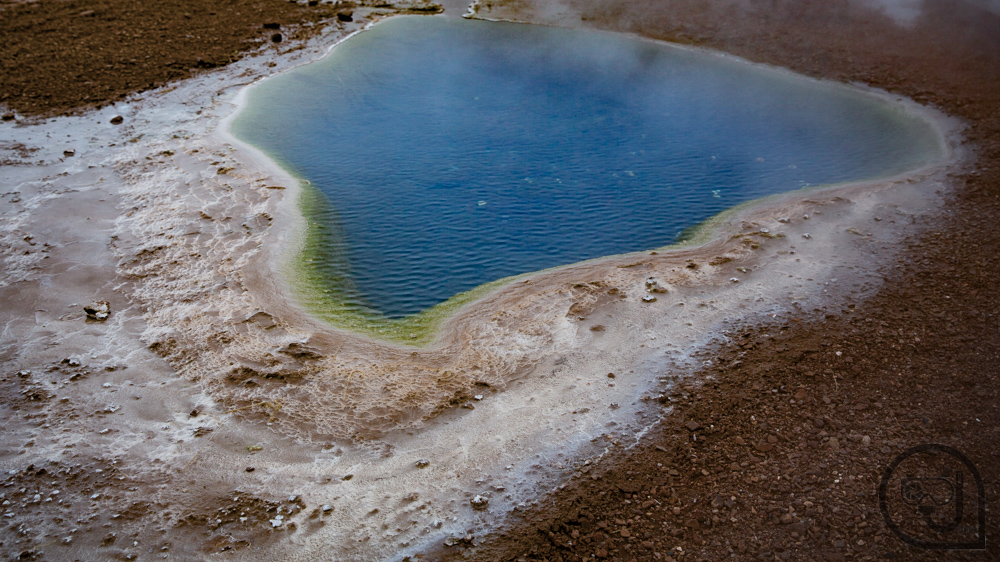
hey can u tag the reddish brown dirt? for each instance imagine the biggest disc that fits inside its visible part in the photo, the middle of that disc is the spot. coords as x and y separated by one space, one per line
779 453
58 56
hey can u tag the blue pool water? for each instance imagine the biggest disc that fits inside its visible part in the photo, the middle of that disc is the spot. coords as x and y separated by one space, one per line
453 153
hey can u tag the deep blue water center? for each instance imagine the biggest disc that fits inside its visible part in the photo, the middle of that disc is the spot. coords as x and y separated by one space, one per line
454 153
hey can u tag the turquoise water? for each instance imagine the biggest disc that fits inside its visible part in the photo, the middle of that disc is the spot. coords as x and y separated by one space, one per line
446 153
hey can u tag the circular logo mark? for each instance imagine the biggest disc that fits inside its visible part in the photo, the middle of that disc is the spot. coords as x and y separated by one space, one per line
932 496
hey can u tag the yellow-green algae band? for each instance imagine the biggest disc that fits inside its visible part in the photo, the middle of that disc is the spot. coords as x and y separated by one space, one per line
322 289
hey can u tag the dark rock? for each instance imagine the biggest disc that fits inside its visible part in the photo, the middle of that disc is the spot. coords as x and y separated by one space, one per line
68 153
8 117
276 38
98 310
117 120
272 25
345 16
462 542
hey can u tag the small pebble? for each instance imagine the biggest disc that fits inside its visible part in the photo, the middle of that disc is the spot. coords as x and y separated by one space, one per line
479 502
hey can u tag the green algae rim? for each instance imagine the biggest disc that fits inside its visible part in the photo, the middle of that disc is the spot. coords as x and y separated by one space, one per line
328 300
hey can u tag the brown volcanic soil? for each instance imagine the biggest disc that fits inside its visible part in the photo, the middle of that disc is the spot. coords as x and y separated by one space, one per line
777 448
59 56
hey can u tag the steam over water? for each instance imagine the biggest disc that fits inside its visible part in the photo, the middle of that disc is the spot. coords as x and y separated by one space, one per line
448 153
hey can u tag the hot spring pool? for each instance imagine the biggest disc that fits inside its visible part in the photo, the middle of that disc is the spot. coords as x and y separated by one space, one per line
443 154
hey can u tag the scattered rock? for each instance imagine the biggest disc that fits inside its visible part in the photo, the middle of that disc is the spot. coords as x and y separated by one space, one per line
479 502
262 319
692 425
98 310
345 16
272 25
8 117
423 463
649 298
299 351
276 38
454 541
250 469
653 286
69 153
117 120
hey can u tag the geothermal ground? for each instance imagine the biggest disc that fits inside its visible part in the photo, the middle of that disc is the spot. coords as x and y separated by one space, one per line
560 417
